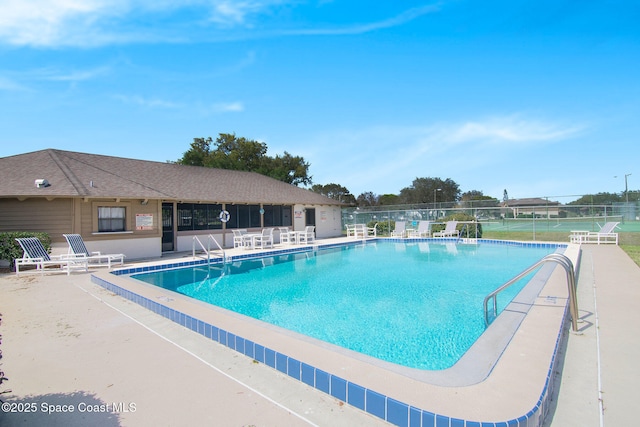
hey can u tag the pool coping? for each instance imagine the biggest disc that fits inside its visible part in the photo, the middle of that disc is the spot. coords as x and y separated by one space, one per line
358 382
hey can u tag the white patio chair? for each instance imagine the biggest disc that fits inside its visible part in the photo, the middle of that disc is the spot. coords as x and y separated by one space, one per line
238 237
264 240
308 235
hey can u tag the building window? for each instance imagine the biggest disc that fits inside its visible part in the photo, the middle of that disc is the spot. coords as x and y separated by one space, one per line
277 216
199 216
111 218
244 216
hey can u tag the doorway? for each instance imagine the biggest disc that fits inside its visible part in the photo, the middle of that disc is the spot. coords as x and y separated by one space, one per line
167 227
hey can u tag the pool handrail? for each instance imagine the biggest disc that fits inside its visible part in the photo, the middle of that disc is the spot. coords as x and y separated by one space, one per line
208 248
566 263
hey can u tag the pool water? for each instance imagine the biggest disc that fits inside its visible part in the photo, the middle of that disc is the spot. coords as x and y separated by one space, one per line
419 305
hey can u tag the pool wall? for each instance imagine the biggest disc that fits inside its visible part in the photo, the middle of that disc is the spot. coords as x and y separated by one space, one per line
402 411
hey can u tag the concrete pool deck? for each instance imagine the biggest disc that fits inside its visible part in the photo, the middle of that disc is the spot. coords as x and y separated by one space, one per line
67 341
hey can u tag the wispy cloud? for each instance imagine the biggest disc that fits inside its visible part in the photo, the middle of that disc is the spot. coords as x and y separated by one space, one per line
155 102
404 153
8 84
402 18
230 13
146 102
509 129
90 23
75 75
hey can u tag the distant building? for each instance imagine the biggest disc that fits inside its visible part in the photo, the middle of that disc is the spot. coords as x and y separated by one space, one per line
143 208
541 208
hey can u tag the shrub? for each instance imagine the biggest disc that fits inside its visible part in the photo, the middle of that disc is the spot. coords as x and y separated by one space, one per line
382 227
10 249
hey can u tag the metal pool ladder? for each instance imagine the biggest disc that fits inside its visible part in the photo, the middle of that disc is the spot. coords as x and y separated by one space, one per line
207 250
571 284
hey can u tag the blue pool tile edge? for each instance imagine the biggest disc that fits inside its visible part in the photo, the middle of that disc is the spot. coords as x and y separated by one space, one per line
370 401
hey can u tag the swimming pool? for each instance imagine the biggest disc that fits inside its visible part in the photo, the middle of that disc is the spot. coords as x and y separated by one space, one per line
507 378
416 304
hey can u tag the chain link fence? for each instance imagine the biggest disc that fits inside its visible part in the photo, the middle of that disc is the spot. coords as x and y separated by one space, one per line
542 222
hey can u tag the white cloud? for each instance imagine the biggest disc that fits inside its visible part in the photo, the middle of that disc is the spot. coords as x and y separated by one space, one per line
402 18
389 158
8 84
509 129
75 75
89 23
147 102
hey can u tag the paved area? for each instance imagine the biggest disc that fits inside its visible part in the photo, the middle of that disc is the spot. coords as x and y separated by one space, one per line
69 344
599 380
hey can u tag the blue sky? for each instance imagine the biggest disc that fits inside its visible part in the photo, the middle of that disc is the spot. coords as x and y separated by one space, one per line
541 98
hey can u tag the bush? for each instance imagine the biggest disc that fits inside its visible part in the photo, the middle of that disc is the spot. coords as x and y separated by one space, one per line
382 227
10 249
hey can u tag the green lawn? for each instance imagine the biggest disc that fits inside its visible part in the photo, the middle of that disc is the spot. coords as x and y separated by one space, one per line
629 242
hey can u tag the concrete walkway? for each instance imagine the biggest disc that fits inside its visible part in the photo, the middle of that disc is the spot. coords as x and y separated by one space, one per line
68 343
601 363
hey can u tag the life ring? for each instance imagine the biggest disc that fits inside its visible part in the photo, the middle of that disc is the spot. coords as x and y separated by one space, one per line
224 216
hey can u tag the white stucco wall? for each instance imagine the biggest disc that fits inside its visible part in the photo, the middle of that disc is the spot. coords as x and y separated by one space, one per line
328 220
139 248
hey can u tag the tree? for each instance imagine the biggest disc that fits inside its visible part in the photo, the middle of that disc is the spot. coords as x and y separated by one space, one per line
239 153
430 190
198 153
598 199
367 199
335 192
388 199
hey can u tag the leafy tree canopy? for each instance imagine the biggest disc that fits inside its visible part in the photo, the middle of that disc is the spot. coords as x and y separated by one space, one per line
430 190
475 195
335 192
368 199
239 153
389 199
606 198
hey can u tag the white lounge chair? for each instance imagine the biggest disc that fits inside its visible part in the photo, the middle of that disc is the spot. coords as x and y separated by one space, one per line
35 254
79 249
424 230
400 230
449 230
605 235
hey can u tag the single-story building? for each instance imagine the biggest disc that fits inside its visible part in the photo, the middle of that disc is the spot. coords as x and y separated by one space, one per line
541 208
143 208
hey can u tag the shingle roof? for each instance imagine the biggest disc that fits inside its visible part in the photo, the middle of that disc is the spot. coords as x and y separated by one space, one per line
532 201
72 174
